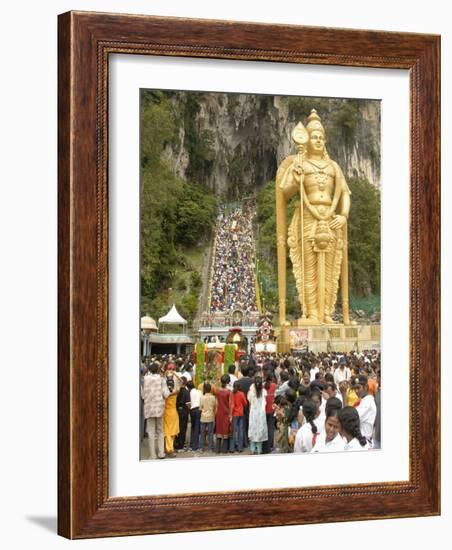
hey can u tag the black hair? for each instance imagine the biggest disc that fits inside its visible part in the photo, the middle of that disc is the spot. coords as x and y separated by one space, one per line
279 399
329 377
284 376
349 419
291 395
245 370
206 388
294 404
282 401
309 412
224 380
315 389
154 368
268 381
332 413
235 387
258 386
332 404
231 369
331 385
293 383
190 385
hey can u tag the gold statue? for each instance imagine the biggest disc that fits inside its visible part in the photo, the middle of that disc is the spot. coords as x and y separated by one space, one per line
317 235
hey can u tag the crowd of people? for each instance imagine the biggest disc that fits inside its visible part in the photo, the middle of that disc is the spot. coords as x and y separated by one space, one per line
309 402
232 277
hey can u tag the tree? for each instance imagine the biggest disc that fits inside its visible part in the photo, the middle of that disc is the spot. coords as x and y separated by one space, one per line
195 214
364 234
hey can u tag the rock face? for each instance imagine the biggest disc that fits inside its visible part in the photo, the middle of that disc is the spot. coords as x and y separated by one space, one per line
233 143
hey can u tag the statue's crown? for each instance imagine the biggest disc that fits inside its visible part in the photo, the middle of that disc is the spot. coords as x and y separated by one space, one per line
314 122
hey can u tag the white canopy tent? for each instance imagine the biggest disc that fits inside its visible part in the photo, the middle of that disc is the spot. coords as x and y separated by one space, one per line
173 317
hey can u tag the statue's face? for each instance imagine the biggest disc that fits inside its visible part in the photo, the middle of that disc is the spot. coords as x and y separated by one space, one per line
316 142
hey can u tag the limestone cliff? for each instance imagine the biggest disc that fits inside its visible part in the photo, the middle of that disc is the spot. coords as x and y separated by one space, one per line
233 143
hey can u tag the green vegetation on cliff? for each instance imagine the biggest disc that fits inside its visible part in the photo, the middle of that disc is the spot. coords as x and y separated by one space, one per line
364 235
176 217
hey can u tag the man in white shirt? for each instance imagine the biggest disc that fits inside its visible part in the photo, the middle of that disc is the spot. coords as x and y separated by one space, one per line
188 372
232 376
342 372
314 370
366 407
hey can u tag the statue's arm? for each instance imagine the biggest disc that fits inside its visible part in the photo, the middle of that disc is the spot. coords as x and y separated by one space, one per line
291 186
344 203
343 206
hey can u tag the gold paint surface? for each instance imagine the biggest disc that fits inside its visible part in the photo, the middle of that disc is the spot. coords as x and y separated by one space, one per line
317 234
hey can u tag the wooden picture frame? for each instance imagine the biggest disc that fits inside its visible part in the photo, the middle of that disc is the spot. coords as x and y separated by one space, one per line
86 40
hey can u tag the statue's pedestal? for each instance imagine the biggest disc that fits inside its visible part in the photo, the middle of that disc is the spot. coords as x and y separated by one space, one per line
317 338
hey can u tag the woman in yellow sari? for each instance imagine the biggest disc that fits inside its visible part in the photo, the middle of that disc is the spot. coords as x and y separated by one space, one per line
170 416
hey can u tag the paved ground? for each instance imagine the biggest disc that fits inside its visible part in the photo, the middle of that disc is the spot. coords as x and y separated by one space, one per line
190 454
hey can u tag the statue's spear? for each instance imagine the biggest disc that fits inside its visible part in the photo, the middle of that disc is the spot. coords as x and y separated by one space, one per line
301 137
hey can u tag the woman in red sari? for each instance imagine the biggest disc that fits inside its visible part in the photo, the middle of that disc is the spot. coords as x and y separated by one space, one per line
223 415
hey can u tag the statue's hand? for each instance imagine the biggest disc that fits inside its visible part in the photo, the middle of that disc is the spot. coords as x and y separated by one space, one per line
337 222
298 168
297 171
